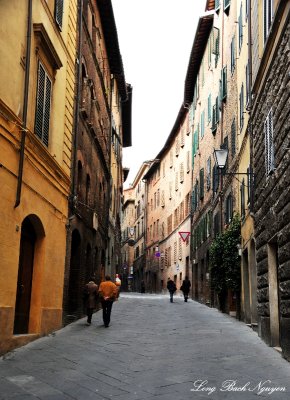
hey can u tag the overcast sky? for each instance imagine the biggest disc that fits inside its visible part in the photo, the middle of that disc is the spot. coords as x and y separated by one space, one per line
155 39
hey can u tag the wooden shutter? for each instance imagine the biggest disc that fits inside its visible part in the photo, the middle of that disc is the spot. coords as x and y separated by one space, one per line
187 161
233 138
208 173
42 114
201 182
215 178
224 83
58 12
209 108
242 189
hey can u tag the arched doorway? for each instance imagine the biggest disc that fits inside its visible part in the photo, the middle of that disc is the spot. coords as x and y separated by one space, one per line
73 289
31 231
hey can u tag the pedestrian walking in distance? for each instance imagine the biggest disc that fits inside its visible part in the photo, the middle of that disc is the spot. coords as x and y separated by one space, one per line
90 297
108 292
118 283
171 288
185 287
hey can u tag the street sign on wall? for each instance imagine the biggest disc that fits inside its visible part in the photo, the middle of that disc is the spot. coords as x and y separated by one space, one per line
184 235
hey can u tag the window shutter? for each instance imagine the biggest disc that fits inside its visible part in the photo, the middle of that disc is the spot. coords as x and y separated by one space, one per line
187 161
242 189
214 121
182 138
42 114
241 27
181 173
215 177
209 108
217 4
162 199
176 181
208 173
233 138
201 187
224 83
58 12
217 109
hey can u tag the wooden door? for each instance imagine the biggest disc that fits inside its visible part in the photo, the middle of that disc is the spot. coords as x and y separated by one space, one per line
24 281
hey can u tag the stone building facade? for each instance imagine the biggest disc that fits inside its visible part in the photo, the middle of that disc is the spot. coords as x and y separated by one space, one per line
99 133
271 140
128 239
168 183
139 188
37 43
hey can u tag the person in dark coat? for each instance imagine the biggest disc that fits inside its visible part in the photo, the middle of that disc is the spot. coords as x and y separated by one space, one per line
171 288
142 286
90 296
185 287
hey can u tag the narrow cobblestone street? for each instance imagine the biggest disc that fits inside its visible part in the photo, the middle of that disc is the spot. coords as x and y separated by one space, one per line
152 350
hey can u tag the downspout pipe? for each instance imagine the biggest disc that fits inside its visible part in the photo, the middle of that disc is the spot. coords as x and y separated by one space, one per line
250 104
25 105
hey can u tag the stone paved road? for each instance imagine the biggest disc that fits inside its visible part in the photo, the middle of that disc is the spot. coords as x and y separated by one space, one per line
153 350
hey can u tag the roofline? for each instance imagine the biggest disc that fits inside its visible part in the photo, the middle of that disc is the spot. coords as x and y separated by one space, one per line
203 29
199 44
112 45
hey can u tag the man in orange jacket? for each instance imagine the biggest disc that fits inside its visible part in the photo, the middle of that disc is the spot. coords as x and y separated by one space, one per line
108 292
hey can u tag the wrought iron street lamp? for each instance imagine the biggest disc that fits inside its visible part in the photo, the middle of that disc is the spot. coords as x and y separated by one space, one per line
221 156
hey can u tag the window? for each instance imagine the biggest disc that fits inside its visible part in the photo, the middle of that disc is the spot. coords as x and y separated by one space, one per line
216 224
182 138
267 17
216 44
233 55
175 252
208 174
241 100
176 181
233 138
217 5
215 179
162 199
229 209
224 83
43 100
169 224
214 119
181 173
209 108
179 249
58 12
241 27
188 161
201 180
227 6
269 143
242 190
